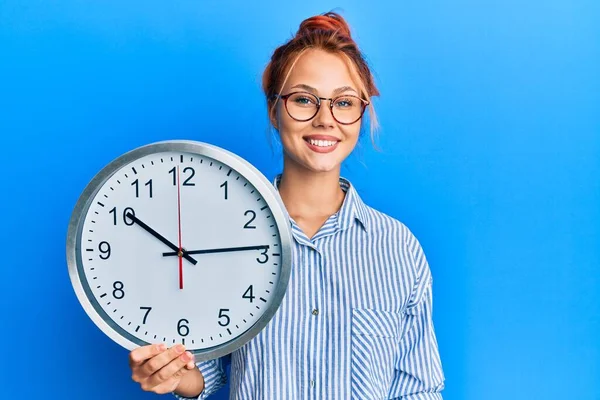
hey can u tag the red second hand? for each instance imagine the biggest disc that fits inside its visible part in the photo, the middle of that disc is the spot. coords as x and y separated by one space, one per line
180 254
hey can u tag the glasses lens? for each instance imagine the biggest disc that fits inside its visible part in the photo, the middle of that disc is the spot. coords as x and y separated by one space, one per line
302 106
347 109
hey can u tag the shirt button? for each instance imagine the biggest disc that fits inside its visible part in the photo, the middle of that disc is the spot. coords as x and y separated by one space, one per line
315 312
312 384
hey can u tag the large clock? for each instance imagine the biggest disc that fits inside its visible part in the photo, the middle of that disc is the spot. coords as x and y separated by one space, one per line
180 242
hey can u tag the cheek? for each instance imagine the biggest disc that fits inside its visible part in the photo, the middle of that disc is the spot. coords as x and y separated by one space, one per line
352 134
284 122
290 130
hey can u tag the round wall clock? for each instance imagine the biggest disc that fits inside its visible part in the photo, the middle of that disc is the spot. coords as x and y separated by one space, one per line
180 242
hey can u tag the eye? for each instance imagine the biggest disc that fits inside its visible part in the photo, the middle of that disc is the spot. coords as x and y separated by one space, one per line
344 102
303 100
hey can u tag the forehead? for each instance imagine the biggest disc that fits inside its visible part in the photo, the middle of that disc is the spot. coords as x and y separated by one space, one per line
322 70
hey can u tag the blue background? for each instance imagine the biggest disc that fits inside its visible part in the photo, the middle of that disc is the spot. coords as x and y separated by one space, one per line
490 154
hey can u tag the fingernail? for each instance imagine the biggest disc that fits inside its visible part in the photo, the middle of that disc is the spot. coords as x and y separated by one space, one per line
179 348
187 356
162 347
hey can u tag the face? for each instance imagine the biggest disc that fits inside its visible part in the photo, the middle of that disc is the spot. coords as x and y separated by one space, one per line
320 144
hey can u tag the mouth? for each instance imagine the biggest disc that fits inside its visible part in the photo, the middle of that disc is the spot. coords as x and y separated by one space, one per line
321 144
321 140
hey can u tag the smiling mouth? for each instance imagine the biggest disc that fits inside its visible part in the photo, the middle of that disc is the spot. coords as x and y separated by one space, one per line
321 143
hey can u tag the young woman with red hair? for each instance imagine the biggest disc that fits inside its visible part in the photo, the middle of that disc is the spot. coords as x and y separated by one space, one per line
356 320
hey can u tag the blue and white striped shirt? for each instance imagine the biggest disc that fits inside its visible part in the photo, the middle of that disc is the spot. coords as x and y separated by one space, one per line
355 323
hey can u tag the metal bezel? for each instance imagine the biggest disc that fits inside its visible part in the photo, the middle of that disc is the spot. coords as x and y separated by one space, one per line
241 166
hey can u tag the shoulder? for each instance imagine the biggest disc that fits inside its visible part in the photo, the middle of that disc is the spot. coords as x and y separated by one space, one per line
382 227
383 224
392 232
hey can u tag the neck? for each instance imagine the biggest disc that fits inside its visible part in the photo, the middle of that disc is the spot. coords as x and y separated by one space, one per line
308 194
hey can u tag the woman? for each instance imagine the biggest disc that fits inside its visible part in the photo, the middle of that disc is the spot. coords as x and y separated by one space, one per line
356 319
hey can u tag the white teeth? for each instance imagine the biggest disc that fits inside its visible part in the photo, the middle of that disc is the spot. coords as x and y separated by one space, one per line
321 143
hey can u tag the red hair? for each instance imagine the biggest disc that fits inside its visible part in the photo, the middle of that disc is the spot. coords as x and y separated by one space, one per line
328 32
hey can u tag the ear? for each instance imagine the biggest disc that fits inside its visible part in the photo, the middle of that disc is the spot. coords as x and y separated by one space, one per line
273 116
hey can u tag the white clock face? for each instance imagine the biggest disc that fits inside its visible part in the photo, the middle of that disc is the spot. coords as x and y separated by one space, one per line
129 251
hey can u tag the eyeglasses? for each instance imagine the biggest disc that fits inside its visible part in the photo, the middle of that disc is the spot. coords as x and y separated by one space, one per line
304 106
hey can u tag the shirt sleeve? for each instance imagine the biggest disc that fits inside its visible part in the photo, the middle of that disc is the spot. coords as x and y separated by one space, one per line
419 374
214 375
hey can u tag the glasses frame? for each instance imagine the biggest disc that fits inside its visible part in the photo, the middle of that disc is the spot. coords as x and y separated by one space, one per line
285 98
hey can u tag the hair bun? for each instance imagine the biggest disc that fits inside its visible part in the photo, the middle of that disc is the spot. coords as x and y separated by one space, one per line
330 21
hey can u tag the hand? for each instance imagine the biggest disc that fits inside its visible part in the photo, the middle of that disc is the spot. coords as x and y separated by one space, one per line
221 250
158 369
160 237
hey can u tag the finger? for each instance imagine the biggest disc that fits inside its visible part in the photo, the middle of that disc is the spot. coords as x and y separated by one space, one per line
138 356
170 384
157 362
168 371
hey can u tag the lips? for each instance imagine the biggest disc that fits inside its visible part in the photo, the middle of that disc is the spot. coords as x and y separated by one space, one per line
321 143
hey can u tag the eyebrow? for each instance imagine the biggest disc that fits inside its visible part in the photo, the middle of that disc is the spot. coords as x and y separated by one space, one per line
313 90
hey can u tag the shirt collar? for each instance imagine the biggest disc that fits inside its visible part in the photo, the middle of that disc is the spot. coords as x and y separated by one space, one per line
353 208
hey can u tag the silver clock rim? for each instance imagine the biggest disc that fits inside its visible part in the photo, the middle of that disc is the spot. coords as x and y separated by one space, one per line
244 168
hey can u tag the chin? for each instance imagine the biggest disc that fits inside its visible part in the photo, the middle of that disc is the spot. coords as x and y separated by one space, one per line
322 163
322 167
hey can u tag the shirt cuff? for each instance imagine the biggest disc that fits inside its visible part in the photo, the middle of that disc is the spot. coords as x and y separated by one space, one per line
214 379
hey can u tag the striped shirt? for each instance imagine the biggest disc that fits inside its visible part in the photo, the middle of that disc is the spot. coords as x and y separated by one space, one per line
355 322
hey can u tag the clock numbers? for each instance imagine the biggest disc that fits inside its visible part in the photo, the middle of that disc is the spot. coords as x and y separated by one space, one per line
128 221
148 309
182 328
174 172
129 228
264 253
136 183
118 292
125 218
248 294
223 315
253 216
224 185
104 248
187 181
186 170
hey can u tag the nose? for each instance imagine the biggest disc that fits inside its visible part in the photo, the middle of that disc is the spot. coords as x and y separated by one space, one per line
324 117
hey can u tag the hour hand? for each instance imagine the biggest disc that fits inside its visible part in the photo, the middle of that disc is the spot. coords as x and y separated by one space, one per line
161 238
221 250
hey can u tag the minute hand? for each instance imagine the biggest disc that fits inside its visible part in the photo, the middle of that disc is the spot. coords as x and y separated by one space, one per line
221 250
160 237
